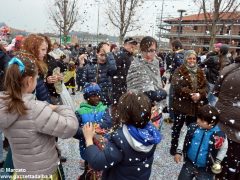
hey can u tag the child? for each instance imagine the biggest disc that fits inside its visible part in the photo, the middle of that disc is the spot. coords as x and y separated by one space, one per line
70 77
90 111
31 125
129 152
204 147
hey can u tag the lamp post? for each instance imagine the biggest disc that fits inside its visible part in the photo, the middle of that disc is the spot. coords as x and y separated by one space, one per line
181 11
60 31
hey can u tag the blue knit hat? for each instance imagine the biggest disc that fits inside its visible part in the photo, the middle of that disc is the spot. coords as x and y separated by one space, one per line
91 89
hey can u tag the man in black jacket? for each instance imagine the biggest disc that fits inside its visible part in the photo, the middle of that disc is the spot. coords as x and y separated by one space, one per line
123 62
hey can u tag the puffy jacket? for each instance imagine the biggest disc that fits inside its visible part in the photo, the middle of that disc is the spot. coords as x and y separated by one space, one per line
101 74
123 62
202 146
212 67
41 91
32 136
89 113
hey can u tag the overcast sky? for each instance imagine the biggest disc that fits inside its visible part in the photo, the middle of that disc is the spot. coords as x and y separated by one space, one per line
32 15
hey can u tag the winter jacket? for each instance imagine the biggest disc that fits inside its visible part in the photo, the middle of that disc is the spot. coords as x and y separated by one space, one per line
183 87
177 60
51 64
4 58
41 91
101 74
123 62
32 136
201 146
125 157
213 64
89 113
79 78
229 100
145 77
212 67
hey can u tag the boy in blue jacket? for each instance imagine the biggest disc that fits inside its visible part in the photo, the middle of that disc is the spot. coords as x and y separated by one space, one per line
204 147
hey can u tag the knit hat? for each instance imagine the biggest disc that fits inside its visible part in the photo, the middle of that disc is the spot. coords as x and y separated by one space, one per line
91 89
224 49
218 45
187 54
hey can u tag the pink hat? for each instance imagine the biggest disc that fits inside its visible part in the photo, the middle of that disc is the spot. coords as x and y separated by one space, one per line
217 45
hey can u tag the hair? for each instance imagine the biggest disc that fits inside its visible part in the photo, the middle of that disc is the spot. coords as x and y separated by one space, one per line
177 44
113 46
48 41
134 109
147 42
71 66
14 82
3 49
209 114
100 45
31 44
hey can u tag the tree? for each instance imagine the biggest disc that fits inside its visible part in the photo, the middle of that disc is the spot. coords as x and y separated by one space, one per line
122 15
214 13
64 14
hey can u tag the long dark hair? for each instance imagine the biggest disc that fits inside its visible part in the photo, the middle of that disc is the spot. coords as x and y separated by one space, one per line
14 81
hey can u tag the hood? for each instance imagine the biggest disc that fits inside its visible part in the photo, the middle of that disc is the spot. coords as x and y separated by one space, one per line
142 140
7 119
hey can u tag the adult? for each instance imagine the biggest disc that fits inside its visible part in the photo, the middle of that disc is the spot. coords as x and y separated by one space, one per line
54 77
215 62
144 73
37 46
174 61
101 72
190 90
229 105
123 62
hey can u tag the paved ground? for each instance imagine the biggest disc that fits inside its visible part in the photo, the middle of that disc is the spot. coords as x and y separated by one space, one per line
163 167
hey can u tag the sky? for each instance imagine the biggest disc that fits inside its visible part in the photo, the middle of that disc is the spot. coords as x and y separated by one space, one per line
32 15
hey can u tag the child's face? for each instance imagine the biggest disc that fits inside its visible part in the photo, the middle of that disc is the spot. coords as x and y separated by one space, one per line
204 124
94 100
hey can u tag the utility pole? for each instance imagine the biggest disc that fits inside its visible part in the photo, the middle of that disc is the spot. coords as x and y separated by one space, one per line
98 22
60 32
181 11
161 17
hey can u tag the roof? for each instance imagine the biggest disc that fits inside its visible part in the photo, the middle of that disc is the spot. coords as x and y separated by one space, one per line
200 17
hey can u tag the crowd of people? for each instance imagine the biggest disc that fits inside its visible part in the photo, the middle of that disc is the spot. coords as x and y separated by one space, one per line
126 90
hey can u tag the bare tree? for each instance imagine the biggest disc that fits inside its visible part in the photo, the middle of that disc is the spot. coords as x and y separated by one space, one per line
64 14
122 15
214 13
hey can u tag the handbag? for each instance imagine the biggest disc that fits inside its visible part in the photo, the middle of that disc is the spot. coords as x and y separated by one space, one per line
66 98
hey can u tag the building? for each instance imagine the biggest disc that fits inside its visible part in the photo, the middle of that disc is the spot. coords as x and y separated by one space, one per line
195 34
